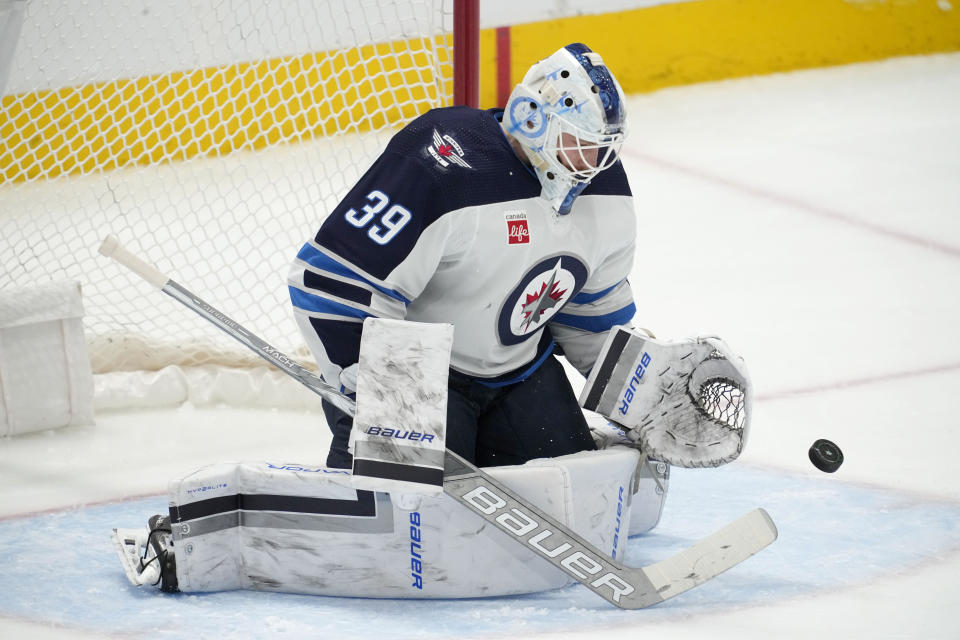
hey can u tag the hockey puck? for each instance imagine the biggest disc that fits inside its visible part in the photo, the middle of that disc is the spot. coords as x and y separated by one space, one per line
826 456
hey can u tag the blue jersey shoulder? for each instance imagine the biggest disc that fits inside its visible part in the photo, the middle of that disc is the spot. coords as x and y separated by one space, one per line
468 156
445 160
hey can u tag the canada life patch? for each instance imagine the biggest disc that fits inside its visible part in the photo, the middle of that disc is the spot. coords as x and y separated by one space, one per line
541 293
518 229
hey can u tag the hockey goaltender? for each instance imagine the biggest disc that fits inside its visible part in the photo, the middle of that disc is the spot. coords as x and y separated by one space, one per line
480 247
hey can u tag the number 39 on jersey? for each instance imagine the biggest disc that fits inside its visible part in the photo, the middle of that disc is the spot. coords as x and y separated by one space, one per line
382 220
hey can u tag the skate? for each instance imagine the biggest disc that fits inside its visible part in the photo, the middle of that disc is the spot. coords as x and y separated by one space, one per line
147 554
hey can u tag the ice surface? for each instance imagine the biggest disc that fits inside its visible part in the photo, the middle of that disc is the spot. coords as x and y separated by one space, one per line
811 220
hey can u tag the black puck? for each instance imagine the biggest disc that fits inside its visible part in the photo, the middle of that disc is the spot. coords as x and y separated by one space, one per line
826 456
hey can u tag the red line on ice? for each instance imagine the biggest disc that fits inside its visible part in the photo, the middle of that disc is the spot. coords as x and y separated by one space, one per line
858 382
74 507
797 203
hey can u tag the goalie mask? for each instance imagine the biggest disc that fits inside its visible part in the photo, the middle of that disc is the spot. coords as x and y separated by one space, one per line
568 115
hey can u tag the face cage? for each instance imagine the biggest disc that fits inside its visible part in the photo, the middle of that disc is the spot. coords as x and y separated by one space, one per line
581 147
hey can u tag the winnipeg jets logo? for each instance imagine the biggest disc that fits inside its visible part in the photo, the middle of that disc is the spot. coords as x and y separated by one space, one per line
445 150
539 296
540 302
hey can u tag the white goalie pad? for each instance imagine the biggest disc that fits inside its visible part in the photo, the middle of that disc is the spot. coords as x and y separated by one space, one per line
688 403
398 437
301 529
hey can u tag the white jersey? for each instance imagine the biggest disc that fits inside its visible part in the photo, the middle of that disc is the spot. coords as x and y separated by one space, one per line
448 226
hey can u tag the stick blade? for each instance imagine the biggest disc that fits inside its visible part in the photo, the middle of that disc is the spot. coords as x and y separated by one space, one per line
713 555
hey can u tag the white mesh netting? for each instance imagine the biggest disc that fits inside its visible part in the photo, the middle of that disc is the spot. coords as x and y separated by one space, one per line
211 137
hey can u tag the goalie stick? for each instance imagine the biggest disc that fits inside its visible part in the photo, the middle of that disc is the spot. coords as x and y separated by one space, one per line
625 587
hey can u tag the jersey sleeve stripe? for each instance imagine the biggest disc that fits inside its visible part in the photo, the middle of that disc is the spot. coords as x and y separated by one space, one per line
317 304
322 284
597 323
319 260
587 298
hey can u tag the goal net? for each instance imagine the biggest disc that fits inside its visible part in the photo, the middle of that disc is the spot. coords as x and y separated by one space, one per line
212 137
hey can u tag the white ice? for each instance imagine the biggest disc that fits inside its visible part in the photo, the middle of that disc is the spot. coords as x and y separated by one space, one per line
812 220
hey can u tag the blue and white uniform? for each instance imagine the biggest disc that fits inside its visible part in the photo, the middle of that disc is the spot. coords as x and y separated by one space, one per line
448 225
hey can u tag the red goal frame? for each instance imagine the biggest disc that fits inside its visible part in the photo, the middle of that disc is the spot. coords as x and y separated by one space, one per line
466 53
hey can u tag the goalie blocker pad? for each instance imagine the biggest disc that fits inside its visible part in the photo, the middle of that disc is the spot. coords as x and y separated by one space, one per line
399 430
687 403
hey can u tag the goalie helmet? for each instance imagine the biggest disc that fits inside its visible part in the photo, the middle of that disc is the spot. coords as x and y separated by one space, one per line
568 115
